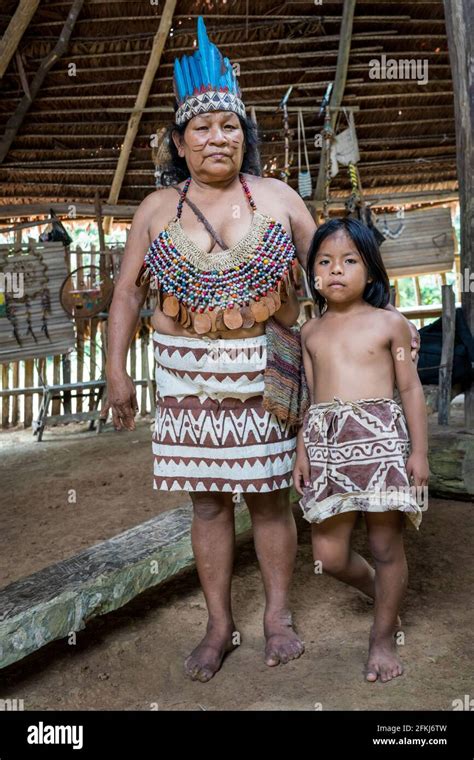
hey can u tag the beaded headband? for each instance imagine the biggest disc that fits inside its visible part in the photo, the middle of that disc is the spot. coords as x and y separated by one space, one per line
205 81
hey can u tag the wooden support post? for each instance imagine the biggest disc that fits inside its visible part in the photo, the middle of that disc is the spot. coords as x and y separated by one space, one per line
460 31
105 261
29 368
56 406
67 379
447 354
92 357
14 32
5 399
339 84
134 121
15 400
14 122
418 298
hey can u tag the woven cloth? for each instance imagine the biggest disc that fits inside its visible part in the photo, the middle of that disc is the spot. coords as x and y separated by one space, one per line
286 392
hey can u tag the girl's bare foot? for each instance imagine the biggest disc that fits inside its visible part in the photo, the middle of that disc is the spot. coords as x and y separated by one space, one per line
383 662
206 659
282 642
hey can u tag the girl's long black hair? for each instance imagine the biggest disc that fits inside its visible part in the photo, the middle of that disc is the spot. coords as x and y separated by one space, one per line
377 292
177 169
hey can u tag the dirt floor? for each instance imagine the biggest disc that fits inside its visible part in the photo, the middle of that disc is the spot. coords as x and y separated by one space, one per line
132 659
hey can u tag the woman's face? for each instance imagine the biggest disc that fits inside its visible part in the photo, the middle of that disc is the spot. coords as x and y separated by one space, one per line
213 145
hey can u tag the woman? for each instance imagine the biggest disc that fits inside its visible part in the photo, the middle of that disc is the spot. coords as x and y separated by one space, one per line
213 436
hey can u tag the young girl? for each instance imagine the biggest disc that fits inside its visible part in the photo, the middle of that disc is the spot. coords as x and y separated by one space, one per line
353 452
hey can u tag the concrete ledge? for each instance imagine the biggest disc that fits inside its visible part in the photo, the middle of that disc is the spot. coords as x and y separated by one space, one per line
62 598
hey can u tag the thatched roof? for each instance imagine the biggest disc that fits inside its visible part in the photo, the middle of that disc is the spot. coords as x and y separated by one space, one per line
70 138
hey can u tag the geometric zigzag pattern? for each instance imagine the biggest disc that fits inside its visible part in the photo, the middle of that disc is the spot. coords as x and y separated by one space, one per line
211 430
357 452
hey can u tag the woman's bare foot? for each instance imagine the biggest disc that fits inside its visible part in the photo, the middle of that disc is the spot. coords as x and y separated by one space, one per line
282 642
206 659
383 662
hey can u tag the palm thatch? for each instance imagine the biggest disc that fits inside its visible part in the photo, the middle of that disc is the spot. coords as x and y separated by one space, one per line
68 145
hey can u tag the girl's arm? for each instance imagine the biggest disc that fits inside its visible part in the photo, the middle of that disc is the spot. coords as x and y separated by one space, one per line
413 399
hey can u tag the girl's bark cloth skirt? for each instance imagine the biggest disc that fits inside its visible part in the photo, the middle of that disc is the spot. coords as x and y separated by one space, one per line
357 452
211 430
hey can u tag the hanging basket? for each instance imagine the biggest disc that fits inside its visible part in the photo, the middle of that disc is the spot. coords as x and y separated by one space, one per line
304 175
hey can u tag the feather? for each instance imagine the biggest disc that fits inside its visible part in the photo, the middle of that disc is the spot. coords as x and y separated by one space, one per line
230 77
179 82
186 75
204 49
217 65
194 74
202 76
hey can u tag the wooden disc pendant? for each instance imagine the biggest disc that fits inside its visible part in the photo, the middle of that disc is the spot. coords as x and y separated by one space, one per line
171 306
270 304
260 311
202 323
183 314
233 319
247 317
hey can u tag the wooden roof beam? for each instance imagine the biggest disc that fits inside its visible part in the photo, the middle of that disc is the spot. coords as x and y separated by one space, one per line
134 121
15 121
15 30
339 84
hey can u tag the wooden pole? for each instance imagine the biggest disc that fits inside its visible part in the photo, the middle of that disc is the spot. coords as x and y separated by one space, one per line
15 401
105 262
447 354
15 30
339 85
29 370
142 97
460 31
5 399
15 121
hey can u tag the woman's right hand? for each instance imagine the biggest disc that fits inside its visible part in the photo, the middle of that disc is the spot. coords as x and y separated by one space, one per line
122 399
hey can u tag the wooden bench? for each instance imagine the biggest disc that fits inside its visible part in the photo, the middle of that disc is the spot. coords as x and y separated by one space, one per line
51 392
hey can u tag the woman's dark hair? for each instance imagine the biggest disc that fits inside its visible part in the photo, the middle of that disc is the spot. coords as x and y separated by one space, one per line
177 169
377 292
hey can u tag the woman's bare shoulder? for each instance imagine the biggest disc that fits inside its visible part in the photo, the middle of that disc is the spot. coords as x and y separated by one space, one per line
158 207
269 184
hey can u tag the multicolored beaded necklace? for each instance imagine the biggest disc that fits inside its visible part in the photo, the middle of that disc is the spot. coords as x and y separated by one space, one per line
230 289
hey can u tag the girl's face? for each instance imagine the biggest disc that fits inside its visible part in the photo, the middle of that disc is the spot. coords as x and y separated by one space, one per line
339 270
213 145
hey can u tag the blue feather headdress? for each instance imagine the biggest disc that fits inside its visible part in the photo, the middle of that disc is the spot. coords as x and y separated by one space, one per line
205 81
